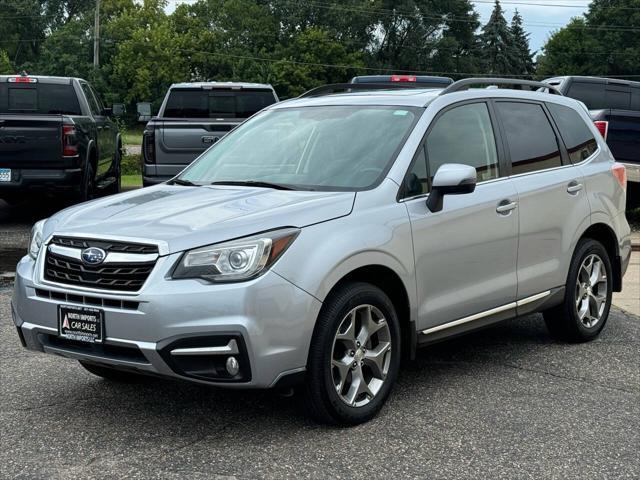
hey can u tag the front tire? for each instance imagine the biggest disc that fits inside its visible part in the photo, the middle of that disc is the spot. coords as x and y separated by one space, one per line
112 374
587 299
354 356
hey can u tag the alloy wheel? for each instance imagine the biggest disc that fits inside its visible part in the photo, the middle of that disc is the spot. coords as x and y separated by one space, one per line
361 355
591 290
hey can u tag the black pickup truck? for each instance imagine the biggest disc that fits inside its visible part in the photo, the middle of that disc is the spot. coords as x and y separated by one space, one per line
55 136
614 106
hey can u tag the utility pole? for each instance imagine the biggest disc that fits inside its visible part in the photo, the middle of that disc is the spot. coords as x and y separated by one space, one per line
96 36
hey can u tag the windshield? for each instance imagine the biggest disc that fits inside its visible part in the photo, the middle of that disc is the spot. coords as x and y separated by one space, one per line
320 148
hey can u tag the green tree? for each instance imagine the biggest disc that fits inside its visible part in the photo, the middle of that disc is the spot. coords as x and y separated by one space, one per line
523 58
605 42
5 65
496 43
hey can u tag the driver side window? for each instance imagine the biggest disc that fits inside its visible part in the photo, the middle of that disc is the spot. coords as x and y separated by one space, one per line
464 135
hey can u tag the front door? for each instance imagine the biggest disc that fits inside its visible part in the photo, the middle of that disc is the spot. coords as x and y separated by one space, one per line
465 255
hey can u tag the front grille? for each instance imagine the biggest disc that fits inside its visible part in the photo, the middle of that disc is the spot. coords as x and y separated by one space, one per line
107 246
85 300
123 276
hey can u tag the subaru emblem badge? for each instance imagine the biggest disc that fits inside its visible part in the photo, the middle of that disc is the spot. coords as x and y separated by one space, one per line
93 255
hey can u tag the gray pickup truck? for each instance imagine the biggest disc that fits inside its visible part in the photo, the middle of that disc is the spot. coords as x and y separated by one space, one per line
193 117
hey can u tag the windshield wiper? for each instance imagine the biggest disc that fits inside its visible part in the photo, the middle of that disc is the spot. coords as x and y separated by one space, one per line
254 183
186 183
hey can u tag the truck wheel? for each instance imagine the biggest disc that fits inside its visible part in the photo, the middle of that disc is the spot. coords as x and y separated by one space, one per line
587 299
116 186
354 356
112 374
87 187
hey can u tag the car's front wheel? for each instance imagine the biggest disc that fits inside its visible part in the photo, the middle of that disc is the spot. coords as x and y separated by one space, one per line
354 357
585 309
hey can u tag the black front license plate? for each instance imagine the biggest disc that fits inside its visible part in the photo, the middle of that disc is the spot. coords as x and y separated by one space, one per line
82 324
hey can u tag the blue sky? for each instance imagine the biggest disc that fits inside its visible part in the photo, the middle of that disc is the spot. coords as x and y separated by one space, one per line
535 16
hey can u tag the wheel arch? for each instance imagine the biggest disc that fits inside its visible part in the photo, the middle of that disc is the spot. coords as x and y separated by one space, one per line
387 280
604 234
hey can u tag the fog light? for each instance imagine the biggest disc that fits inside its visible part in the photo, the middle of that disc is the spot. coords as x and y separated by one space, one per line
233 367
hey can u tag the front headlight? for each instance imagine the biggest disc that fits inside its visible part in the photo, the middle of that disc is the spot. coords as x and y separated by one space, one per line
236 260
35 240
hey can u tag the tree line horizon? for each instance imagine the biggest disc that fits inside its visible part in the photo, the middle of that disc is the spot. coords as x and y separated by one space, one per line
296 46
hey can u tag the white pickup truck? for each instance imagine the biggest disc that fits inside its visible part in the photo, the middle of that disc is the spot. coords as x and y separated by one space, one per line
192 118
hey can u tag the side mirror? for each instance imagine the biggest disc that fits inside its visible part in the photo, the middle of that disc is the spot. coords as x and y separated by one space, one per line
451 179
118 109
107 112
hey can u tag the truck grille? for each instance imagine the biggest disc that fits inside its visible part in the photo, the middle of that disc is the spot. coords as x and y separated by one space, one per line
123 276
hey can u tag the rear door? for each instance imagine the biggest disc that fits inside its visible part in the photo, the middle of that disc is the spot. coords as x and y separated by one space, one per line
552 201
465 255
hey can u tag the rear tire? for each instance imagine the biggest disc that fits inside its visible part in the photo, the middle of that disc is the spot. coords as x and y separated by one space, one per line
112 374
116 186
87 187
354 356
587 299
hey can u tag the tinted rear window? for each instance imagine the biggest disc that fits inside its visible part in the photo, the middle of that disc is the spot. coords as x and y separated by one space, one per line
577 137
198 103
532 143
591 94
39 98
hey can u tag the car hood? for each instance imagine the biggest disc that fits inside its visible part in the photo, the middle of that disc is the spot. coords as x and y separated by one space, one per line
186 217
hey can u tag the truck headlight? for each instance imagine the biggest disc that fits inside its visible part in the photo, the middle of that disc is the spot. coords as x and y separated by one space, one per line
35 239
237 260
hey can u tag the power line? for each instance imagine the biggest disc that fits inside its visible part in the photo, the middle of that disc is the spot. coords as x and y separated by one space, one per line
110 41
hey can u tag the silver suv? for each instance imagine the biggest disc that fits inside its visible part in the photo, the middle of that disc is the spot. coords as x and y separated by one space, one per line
329 236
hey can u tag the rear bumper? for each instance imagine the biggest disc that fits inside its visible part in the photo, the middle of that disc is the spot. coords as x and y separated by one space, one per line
157 173
633 171
24 181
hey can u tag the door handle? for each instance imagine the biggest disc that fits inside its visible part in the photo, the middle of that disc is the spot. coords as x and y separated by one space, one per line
505 206
574 187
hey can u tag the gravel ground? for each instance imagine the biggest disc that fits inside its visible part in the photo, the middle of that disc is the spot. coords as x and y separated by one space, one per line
507 402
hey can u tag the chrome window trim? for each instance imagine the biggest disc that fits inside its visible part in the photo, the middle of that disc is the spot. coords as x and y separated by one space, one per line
586 160
425 195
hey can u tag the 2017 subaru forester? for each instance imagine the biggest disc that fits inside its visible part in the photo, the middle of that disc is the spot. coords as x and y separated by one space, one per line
330 235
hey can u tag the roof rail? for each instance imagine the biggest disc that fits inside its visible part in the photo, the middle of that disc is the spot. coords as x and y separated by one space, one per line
466 83
348 87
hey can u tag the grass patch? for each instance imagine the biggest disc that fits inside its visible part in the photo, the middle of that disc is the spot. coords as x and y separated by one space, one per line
132 136
132 180
131 164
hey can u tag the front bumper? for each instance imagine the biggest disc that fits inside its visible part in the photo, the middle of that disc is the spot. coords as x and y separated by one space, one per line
270 319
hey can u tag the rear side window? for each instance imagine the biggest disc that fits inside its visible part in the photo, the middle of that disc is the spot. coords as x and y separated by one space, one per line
216 103
619 99
577 137
464 135
39 98
591 94
531 140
